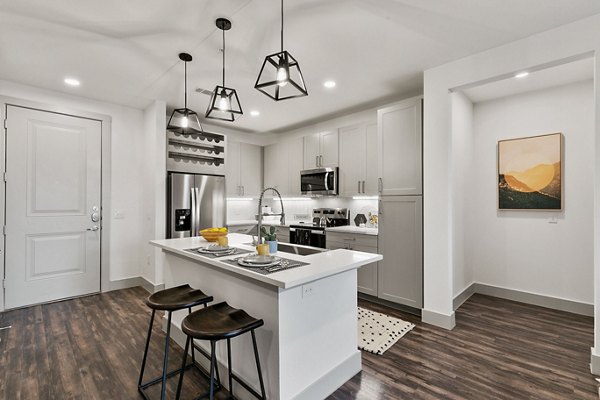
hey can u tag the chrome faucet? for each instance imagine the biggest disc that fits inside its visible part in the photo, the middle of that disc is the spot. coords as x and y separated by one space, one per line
260 214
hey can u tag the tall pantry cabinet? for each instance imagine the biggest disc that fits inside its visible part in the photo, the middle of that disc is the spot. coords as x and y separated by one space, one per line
399 137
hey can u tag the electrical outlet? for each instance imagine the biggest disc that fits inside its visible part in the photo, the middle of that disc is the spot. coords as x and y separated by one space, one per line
119 214
307 290
553 220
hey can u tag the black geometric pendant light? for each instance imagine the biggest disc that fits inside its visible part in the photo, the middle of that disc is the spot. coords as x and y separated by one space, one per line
280 77
188 119
224 102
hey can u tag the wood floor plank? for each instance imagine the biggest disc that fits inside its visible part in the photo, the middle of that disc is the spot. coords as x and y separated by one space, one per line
91 348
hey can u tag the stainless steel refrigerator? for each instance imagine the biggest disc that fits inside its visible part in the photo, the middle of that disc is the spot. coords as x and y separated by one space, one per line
194 202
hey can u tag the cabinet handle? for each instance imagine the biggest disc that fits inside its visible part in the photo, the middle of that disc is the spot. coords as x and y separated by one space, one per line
363 188
317 161
380 185
243 190
349 239
320 161
358 186
380 208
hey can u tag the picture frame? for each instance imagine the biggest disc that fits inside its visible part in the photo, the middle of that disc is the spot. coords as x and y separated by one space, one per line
530 173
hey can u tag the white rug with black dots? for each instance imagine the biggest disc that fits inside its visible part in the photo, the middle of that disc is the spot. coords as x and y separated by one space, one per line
378 332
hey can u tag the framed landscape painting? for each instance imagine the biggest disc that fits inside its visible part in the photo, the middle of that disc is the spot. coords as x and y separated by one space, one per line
530 174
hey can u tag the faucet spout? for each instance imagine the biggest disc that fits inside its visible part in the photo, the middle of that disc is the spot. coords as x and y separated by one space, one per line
260 214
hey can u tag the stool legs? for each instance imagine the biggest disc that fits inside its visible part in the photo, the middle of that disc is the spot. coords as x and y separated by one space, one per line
185 352
166 359
146 349
260 377
213 361
229 366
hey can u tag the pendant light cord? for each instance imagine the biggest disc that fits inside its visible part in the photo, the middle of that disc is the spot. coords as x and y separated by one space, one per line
185 84
282 25
223 57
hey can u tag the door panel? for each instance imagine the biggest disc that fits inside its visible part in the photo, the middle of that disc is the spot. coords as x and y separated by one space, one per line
311 151
233 179
352 160
53 165
180 222
372 161
251 170
329 149
211 201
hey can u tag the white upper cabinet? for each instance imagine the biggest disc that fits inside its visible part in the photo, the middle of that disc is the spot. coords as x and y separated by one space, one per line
276 167
321 150
295 165
244 170
399 141
358 160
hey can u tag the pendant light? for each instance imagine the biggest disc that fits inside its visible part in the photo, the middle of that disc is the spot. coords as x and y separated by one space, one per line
224 103
280 77
189 122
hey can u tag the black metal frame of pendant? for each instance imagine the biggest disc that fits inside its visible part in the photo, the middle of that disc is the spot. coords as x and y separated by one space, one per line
288 62
221 91
215 112
185 112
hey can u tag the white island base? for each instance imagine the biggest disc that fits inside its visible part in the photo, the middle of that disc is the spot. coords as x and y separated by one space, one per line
308 344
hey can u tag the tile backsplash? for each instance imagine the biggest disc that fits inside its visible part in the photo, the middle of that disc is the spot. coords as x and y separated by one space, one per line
299 209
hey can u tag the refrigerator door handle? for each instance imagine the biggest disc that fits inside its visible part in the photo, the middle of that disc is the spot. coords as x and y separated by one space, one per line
197 212
193 216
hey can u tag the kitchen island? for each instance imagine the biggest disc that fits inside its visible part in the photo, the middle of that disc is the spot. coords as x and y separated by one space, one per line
308 345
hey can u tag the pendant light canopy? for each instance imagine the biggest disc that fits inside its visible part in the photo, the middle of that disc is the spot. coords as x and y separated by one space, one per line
280 77
224 102
188 119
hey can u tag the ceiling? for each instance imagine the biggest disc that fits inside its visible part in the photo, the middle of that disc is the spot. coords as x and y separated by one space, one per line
126 51
559 75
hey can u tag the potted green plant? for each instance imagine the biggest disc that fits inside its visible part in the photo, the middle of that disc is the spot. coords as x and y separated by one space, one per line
270 238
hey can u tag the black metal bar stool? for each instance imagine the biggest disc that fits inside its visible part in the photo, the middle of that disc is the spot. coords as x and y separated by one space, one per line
218 322
169 300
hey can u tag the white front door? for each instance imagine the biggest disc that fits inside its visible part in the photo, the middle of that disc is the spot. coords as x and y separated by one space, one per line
53 184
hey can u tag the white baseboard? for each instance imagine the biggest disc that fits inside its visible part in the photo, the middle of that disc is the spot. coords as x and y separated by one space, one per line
438 319
149 286
594 362
123 284
536 299
463 296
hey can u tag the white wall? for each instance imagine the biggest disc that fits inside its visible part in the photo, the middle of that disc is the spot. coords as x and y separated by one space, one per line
126 152
520 249
554 46
462 184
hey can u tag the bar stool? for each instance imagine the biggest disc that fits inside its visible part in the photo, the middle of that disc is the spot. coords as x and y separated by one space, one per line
169 300
218 322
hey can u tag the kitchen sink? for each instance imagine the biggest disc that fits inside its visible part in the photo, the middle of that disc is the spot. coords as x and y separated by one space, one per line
295 249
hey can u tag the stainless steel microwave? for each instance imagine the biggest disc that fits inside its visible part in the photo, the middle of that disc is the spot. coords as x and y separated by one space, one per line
322 181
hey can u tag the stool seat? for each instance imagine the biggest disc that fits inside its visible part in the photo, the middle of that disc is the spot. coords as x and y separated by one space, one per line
219 321
177 298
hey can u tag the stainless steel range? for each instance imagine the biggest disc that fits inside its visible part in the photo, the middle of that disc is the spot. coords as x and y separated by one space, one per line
314 234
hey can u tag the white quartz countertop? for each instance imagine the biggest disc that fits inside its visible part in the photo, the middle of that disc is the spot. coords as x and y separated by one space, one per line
321 265
353 229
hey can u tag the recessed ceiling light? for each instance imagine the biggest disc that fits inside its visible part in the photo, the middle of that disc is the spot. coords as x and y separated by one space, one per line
521 74
72 82
255 113
329 84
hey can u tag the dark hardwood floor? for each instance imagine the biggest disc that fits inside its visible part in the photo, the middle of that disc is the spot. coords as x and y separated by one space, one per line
91 348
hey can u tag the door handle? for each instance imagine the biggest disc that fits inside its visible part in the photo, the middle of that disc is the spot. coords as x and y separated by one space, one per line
363 188
95 217
193 216
197 211
93 228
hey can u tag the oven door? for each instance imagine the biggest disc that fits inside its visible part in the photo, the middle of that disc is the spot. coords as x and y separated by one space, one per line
308 237
319 181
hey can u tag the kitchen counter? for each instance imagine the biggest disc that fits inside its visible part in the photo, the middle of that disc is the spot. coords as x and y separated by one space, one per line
266 223
353 229
320 266
308 343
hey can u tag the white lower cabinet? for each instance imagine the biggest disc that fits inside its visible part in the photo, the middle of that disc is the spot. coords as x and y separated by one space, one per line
400 273
245 229
367 274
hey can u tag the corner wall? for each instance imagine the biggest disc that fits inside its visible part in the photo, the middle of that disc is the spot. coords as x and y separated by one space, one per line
526 250
552 47
125 190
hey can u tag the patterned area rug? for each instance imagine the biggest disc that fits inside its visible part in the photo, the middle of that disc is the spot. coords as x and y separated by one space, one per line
378 332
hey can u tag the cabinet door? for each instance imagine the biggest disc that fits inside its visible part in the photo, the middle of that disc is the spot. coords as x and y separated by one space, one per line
276 168
295 165
367 274
232 170
311 151
371 160
352 160
329 148
399 141
251 170
400 273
